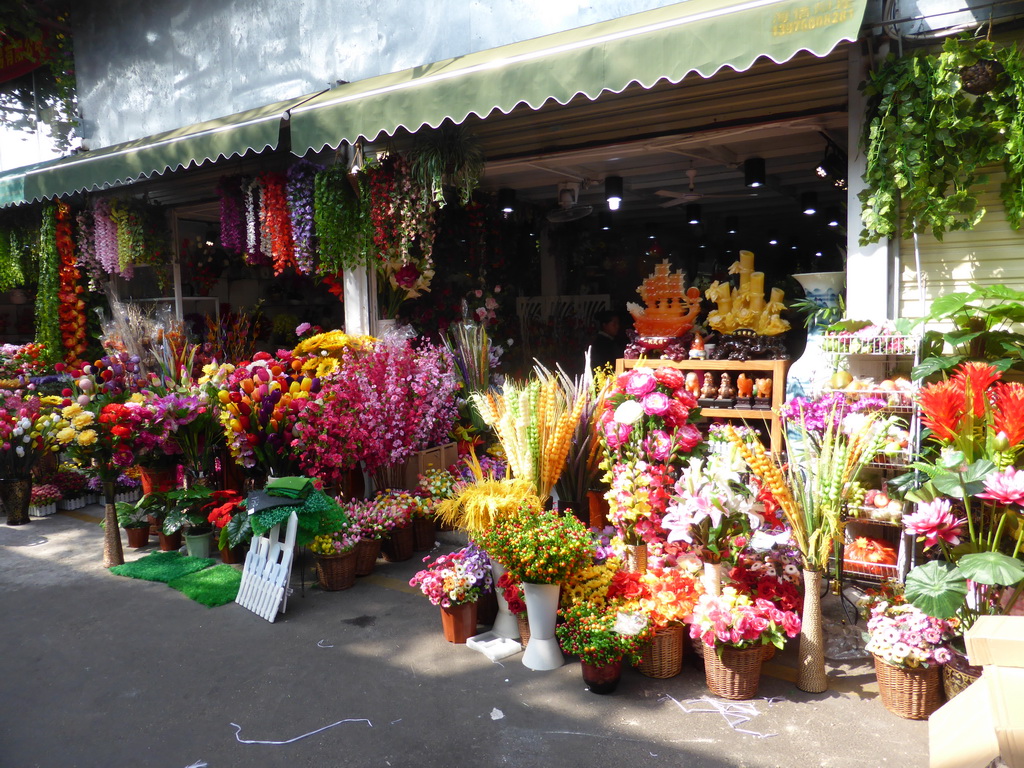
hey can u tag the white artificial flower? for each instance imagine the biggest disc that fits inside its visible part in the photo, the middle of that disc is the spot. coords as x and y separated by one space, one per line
628 412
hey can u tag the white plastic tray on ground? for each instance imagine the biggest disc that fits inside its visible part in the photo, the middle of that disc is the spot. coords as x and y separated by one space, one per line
493 646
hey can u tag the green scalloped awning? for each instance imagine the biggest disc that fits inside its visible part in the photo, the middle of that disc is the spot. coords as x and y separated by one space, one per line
701 36
252 130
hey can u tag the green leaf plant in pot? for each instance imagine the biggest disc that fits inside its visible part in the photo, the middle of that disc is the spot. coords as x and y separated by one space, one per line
227 514
135 521
185 512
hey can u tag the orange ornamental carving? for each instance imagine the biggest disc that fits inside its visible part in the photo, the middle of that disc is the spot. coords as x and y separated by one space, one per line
670 308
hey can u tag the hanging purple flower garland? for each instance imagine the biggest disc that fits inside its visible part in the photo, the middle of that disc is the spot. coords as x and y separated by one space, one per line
232 214
299 189
86 245
253 247
105 237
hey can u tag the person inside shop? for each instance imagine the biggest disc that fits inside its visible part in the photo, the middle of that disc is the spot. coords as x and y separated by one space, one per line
607 346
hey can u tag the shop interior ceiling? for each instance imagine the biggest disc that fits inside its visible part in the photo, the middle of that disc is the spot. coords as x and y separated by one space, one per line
658 140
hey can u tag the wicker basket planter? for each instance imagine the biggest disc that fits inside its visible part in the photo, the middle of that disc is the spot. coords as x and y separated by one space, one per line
336 572
663 656
733 673
399 545
912 694
366 552
422 534
524 628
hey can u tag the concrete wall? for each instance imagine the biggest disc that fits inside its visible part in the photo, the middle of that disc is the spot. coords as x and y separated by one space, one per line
147 67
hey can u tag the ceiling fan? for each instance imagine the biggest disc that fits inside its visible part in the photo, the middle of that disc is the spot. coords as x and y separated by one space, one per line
569 208
692 195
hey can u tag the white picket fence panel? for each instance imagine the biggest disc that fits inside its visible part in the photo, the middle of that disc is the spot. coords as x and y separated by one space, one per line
268 566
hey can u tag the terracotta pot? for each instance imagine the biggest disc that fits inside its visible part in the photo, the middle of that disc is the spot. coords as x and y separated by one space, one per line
170 542
234 555
459 622
162 479
598 509
138 536
602 678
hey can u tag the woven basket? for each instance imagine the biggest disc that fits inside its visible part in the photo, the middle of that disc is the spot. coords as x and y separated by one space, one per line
524 628
366 552
398 546
422 534
733 673
910 693
663 656
769 652
635 560
336 572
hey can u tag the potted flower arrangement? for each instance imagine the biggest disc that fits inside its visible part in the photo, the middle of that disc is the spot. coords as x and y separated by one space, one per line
371 521
43 501
135 522
186 512
909 648
25 431
335 559
455 582
398 545
737 627
72 484
540 549
601 638
512 593
230 520
667 598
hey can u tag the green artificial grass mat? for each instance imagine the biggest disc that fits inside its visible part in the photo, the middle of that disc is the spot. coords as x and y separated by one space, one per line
162 566
211 586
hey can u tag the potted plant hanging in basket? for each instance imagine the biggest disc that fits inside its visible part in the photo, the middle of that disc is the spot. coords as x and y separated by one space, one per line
541 549
335 559
734 628
455 582
601 638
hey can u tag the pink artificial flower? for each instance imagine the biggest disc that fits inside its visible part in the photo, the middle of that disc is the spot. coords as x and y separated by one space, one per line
688 437
935 521
656 403
640 381
616 434
302 328
658 444
1006 487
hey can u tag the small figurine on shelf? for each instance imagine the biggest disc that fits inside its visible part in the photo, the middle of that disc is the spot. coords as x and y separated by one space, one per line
726 391
744 391
697 351
692 384
708 392
763 394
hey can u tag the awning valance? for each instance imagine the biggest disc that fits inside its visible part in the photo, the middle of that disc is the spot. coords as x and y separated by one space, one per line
253 130
701 36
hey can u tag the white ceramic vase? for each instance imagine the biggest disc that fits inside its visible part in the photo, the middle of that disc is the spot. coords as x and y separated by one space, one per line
505 625
542 652
809 375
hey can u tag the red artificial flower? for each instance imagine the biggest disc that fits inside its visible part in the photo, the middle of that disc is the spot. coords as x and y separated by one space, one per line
975 379
677 414
670 377
942 408
1008 411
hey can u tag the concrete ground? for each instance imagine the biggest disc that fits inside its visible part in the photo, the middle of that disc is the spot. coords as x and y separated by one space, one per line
100 670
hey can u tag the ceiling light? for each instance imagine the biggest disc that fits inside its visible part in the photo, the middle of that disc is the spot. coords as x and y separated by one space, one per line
652 231
507 200
732 225
773 238
613 192
834 164
832 216
693 213
604 220
754 172
809 203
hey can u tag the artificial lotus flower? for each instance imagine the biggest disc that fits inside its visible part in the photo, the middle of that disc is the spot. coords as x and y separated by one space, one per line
1006 487
935 522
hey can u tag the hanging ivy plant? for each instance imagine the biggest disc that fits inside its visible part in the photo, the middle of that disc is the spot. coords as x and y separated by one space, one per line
446 157
47 298
342 219
927 139
11 274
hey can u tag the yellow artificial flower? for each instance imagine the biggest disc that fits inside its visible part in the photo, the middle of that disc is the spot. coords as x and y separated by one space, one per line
66 435
82 420
70 411
51 400
87 438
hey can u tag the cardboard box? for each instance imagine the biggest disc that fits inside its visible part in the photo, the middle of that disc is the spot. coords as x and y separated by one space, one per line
961 733
441 457
996 641
1005 687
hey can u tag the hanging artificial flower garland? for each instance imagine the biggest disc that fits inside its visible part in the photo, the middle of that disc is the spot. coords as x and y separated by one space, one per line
104 238
47 299
72 306
254 249
232 214
301 179
275 221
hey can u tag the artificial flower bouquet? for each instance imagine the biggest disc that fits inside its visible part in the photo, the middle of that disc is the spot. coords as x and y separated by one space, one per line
456 578
372 519
336 543
602 635
227 514
590 583
512 591
404 505
27 428
45 494
638 500
905 636
739 621
438 484
669 596
537 546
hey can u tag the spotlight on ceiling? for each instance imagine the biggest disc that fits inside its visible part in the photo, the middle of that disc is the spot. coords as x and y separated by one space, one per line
754 172
507 200
732 225
832 216
834 164
613 192
809 203
693 213
652 231
604 220
773 238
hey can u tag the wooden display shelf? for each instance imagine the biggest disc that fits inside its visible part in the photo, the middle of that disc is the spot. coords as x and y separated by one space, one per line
775 368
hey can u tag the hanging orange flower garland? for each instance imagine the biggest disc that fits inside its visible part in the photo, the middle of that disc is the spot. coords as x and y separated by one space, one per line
72 306
275 221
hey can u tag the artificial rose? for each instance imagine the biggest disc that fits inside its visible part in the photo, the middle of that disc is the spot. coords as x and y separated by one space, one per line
658 445
670 377
640 381
676 414
629 412
684 397
656 403
687 438
616 434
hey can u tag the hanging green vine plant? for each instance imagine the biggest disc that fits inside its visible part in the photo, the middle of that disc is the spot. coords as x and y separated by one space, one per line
927 138
11 273
47 296
446 157
342 219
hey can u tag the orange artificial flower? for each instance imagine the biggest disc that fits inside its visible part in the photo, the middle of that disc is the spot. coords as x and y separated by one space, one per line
942 408
975 378
1008 411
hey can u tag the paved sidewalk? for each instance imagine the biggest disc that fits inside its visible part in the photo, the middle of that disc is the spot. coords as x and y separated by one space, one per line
99 670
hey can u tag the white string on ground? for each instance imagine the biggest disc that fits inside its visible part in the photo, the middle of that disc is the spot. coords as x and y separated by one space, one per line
197 764
734 713
321 645
238 730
